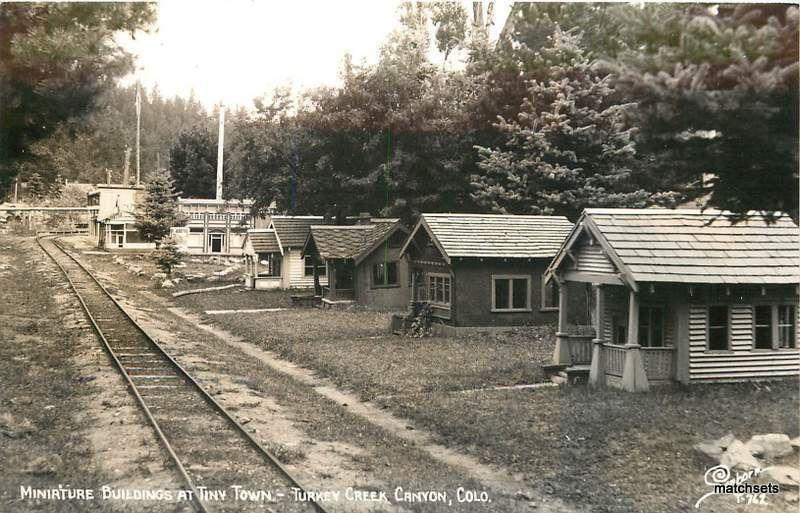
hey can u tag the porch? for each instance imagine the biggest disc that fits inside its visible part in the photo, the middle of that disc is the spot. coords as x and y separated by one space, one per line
631 347
341 282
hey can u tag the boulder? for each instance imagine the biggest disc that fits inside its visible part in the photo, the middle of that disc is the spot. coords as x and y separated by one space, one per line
710 450
738 456
167 284
785 475
725 441
773 445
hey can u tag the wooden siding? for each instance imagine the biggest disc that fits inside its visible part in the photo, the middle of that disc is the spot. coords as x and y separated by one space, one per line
592 259
294 267
741 362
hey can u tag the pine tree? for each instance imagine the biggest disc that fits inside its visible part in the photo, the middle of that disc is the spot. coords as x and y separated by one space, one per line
570 147
57 187
36 187
157 211
167 256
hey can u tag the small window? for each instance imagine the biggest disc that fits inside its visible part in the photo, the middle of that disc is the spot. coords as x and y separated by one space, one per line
439 289
549 294
651 326
511 293
763 327
384 274
787 329
718 328
308 267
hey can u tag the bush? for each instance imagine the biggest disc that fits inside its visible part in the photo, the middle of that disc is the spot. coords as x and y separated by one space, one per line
167 255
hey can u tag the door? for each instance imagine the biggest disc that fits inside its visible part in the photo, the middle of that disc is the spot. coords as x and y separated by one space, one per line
215 242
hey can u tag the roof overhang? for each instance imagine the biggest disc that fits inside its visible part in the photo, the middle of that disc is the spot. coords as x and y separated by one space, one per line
421 223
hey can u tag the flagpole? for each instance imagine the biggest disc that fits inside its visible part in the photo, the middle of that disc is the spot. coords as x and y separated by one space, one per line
138 134
219 149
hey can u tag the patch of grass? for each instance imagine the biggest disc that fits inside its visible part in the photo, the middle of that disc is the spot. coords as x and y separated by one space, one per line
613 450
285 454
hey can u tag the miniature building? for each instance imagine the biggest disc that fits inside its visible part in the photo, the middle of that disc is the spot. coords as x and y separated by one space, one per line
487 270
112 225
363 262
273 255
213 226
682 295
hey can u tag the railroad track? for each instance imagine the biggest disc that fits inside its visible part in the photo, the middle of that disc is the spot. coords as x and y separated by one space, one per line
211 451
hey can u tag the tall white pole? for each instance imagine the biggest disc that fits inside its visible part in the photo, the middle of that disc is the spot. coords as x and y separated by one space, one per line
138 130
219 149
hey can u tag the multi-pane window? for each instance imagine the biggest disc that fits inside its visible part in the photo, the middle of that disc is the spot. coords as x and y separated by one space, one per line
651 326
718 328
439 288
787 329
384 274
511 293
308 267
763 326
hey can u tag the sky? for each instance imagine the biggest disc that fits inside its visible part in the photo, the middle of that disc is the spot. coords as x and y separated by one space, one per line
236 50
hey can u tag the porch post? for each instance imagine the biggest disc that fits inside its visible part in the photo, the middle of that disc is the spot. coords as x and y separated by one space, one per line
332 280
561 354
597 370
634 378
317 287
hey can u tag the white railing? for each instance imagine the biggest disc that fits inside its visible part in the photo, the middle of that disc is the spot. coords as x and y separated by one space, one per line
614 359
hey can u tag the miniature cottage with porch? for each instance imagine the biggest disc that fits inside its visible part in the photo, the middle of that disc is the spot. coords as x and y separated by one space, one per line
479 270
682 295
363 262
273 258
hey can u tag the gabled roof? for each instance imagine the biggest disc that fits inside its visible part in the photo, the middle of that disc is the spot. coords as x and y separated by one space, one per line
262 241
693 246
293 230
493 235
354 242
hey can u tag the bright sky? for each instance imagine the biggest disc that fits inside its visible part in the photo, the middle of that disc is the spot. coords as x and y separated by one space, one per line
236 50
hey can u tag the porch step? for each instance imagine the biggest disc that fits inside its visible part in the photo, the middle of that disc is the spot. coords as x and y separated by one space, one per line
567 374
340 304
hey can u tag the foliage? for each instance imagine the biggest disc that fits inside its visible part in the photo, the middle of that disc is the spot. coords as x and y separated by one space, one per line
421 321
36 188
157 210
167 255
193 162
55 61
570 147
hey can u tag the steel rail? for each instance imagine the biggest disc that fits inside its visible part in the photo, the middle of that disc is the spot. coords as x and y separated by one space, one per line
266 453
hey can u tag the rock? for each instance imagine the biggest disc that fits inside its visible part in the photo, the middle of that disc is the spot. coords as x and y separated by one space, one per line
785 475
213 278
176 280
773 445
725 441
15 428
167 284
709 449
738 456
159 276
795 442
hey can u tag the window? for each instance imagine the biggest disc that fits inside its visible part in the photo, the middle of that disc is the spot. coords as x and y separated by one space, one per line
763 327
787 317
511 293
384 274
651 326
439 288
549 294
308 267
718 328
269 264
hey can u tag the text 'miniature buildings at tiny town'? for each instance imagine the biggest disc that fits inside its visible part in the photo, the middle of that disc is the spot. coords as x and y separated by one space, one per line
273 255
486 270
363 263
682 295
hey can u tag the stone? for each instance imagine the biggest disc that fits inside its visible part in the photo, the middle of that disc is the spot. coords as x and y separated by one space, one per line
711 450
167 284
13 427
159 276
738 456
795 442
773 445
785 475
176 280
725 441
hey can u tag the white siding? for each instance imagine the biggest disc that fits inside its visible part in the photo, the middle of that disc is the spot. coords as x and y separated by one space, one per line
742 362
294 266
592 259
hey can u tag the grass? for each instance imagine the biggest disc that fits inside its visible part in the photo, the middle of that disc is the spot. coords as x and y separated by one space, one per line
612 450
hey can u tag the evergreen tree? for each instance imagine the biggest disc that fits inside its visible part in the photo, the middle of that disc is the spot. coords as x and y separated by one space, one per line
57 187
570 147
167 255
157 211
36 188
193 163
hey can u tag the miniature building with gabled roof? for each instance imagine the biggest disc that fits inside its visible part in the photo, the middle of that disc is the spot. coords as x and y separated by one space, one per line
683 295
487 269
273 255
363 262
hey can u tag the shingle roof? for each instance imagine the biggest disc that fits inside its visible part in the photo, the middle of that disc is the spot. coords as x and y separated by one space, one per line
691 246
350 242
264 241
293 230
497 235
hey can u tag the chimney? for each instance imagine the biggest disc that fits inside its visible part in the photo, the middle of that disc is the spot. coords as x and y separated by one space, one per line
364 218
108 176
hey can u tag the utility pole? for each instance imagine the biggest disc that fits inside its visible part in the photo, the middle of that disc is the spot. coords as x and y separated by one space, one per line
125 170
138 134
219 149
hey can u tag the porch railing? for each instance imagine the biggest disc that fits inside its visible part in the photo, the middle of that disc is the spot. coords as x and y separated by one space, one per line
615 359
659 363
580 349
